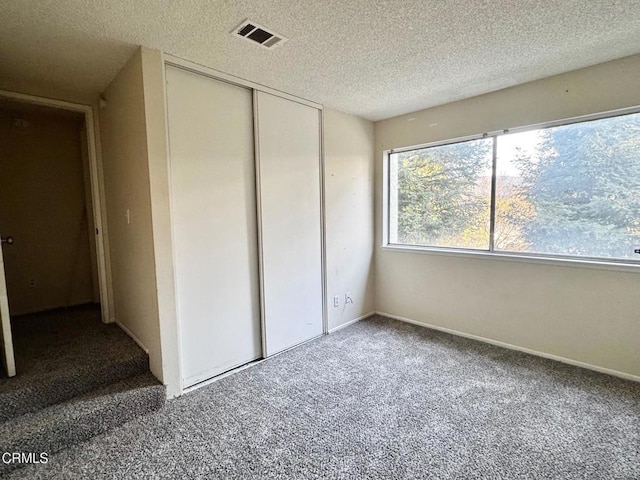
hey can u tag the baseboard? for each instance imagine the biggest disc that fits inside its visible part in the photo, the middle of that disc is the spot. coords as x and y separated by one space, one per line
133 337
557 358
351 322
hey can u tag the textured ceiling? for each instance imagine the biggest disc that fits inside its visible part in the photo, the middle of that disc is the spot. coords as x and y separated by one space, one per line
372 58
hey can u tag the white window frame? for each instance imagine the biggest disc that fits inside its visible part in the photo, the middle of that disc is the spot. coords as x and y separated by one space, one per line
628 265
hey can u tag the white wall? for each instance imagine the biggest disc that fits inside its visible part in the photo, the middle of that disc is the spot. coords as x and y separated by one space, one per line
127 187
349 189
581 314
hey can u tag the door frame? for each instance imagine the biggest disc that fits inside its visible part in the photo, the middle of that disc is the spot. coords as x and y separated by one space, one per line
97 191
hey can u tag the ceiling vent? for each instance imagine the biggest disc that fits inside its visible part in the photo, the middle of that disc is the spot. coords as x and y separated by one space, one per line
254 33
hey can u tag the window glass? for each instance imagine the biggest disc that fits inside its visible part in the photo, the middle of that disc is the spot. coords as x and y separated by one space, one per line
441 196
570 190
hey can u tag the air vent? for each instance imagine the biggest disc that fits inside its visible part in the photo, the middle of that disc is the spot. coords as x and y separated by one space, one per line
257 34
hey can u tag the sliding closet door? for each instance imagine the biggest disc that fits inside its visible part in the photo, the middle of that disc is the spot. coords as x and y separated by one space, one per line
214 223
290 219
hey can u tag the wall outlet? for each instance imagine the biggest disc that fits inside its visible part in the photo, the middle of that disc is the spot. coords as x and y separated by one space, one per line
31 283
347 298
336 301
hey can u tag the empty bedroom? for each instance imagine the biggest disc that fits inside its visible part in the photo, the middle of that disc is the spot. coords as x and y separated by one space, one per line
320 239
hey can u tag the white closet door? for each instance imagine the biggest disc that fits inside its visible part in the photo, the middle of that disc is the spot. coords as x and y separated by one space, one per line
290 219
214 224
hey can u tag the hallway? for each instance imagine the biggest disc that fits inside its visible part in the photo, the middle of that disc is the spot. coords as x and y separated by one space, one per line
63 353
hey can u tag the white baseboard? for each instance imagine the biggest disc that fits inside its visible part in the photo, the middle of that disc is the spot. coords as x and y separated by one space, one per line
351 322
135 339
575 363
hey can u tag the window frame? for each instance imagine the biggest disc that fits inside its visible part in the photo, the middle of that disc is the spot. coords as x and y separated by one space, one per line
490 253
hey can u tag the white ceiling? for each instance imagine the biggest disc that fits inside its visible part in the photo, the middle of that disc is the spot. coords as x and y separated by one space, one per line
372 58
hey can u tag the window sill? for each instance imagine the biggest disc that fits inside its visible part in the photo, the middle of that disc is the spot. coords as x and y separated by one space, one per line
519 258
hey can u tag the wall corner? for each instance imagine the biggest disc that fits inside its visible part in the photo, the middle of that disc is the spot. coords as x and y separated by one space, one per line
158 158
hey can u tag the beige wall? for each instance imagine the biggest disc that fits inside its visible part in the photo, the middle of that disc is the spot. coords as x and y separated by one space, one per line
42 205
127 187
349 188
581 314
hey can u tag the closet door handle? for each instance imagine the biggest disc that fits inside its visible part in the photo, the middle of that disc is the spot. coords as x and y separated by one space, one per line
7 240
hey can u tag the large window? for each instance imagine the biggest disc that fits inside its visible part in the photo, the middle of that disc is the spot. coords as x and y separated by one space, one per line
570 190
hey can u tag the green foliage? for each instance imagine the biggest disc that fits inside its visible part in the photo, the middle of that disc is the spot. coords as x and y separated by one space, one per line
584 184
576 192
439 194
513 213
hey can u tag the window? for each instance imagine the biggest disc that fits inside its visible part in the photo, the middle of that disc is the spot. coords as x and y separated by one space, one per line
571 190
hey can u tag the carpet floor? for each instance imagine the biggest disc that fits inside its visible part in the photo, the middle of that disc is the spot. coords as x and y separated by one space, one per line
379 399
63 353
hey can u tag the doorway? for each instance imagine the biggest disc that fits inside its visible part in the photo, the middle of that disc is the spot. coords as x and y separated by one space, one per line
50 216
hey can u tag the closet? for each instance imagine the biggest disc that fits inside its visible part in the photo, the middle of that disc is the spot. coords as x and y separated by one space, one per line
245 187
288 136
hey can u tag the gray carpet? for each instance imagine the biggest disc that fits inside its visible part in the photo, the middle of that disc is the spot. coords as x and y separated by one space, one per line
379 399
81 418
64 353
77 378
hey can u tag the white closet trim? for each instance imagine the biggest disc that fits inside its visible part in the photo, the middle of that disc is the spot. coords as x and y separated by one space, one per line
225 77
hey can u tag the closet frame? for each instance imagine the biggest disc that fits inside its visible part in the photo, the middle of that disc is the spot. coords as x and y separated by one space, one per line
176 62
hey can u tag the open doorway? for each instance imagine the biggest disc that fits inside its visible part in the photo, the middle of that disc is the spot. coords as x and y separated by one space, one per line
46 209
51 228
72 364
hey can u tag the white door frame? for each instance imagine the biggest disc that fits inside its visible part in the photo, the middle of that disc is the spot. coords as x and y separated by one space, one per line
97 192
